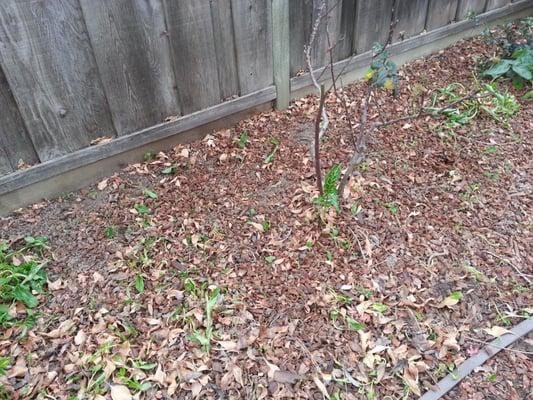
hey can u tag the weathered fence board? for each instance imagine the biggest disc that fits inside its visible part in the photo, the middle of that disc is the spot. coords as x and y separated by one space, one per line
15 143
225 48
133 56
193 51
300 21
344 46
411 18
252 20
493 4
440 13
372 22
470 8
47 60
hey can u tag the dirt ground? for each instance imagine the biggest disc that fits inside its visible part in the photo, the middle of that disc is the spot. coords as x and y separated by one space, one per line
357 307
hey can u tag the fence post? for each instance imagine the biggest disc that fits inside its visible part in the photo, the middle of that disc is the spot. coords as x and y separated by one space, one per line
280 52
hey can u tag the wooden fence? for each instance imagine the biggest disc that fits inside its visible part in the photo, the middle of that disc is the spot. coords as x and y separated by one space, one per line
73 72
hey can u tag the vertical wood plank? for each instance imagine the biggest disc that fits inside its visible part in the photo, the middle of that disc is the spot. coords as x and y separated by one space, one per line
493 4
225 48
253 41
5 165
372 22
345 37
280 52
330 23
411 18
14 139
48 62
193 52
440 13
470 8
301 20
133 55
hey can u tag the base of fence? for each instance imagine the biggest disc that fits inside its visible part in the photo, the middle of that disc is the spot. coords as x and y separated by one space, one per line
87 166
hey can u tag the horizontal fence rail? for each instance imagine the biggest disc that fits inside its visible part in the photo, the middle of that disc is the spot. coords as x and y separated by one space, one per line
75 73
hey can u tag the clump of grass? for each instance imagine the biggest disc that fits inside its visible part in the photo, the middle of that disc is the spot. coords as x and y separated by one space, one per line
22 278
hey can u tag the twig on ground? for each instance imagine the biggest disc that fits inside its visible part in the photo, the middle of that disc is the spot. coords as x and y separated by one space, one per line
523 275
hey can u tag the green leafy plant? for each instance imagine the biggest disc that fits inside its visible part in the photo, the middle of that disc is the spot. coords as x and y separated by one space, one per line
169 170
150 194
275 147
243 140
383 72
21 278
142 209
111 232
330 197
515 43
139 283
205 338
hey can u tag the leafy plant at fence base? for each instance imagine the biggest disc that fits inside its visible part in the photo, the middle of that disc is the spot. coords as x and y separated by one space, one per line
515 41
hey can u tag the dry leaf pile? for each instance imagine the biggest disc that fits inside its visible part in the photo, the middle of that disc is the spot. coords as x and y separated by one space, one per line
207 272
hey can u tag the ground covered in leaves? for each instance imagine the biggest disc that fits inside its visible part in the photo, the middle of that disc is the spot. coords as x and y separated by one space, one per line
206 272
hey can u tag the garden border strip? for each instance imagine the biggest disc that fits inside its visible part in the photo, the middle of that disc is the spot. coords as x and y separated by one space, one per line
487 352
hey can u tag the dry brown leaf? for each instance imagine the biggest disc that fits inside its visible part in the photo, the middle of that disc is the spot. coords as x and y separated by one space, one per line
120 392
63 328
496 331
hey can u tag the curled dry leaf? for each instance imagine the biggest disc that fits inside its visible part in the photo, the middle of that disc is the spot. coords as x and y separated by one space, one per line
63 328
496 331
120 392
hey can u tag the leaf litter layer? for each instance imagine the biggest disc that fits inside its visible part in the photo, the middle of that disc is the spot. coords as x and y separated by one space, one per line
205 271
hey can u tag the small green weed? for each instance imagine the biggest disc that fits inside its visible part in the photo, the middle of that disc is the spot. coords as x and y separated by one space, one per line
150 194
169 170
272 155
111 231
330 197
243 140
205 338
142 209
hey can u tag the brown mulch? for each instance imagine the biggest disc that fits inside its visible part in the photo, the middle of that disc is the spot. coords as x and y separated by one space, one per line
351 305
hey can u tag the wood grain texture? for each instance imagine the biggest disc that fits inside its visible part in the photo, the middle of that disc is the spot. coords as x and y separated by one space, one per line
330 24
344 45
252 20
48 62
441 13
133 56
135 140
492 4
281 52
411 18
372 21
14 139
300 21
470 8
193 52
5 165
225 48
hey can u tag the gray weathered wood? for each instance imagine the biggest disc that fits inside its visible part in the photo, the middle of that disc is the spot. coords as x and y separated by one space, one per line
344 45
470 8
281 52
193 51
252 21
48 62
411 18
225 48
372 21
329 25
301 82
15 144
133 56
125 143
5 165
440 13
301 20
492 4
